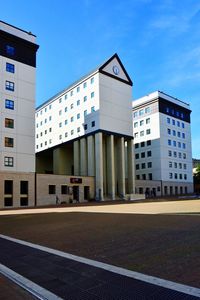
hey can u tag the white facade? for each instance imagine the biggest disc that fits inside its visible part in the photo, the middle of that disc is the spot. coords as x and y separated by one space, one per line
162 139
17 109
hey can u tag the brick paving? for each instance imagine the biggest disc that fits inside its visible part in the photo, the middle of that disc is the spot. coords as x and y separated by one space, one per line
73 280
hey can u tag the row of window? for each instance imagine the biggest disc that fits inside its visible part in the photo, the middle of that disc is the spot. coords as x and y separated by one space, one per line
176 165
143 165
177 176
142 144
176 144
177 154
174 112
175 122
71 93
143 154
141 112
142 122
142 133
8 193
148 176
176 133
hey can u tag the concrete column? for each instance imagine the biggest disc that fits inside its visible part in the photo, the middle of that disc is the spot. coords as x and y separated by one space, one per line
90 155
121 169
76 158
104 166
83 157
111 166
59 161
99 166
130 167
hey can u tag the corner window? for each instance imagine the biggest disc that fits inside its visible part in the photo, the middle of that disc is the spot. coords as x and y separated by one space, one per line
9 104
10 68
10 86
8 161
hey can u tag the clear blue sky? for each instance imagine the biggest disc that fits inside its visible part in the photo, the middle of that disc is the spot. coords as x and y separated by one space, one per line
158 42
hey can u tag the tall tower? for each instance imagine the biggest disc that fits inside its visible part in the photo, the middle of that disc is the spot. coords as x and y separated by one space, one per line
17 110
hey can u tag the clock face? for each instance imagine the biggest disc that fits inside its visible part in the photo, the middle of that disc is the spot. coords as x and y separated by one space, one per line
115 70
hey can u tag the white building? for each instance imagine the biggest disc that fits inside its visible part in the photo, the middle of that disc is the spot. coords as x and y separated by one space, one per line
162 138
17 109
82 131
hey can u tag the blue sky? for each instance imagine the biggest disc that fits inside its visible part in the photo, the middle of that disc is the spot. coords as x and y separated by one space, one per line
158 42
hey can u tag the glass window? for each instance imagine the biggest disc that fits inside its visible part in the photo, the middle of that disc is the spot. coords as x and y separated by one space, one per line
138 177
168 130
66 109
64 189
180 165
179 134
137 166
50 106
149 164
66 134
150 176
148 131
9 142
141 112
24 187
93 123
136 145
173 122
141 122
175 175
9 123
78 102
8 161
174 132
142 133
143 176
65 96
168 120
78 89
142 144
170 164
60 137
148 121
10 86
72 119
72 106
135 114
175 165
92 80
49 118
174 143
136 134
143 155
149 153
92 109
135 124
85 126
85 85
71 93
10 68
178 123
60 112
78 116
184 145
183 135
60 124
72 132
183 125
169 142
92 95
10 50
175 154
85 98
52 189
137 156
9 104
78 129
60 100
149 143
180 176
179 144
143 165
184 155
147 110
185 176
170 175
169 153
85 113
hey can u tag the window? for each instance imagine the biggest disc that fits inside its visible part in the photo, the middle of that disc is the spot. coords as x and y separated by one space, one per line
184 145
9 123
49 118
92 109
142 144
141 122
149 153
92 95
138 177
141 112
175 176
148 121
10 50
93 123
8 161
167 109
9 104
92 80
9 142
150 176
143 165
66 97
66 121
142 133
72 106
45 132
180 155
60 124
180 176
52 189
149 143
66 109
183 135
184 166
78 102
170 164
185 176
50 106
85 85
66 134
85 113
175 165
72 119
173 122
174 143
179 134
137 166
147 110
78 129
137 156
175 154
8 187
135 114
170 175
178 123
168 130
149 164
169 142
179 144
183 125
169 153
71 93
78 89
136 145
85 126
60 100
85 98
10 86
180 165
60 137
41 112
10 68
184 155
50 129
64 189
174 132
168 120
148 131
143 155
136 135
143 176
24 187
78 116
135 124
45 109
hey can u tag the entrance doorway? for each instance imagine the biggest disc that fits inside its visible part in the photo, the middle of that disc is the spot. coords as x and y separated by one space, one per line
86 193
76 193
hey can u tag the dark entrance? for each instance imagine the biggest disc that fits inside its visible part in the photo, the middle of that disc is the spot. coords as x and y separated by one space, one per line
76 193
86 193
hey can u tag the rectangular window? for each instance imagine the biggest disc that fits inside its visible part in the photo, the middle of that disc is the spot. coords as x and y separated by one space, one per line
174 143
72 119
66 134
64 189
147 110
178 123
10 68
10 50
149 164
143 155
78 102
78 89
78 129
9 142
93 123
60 100
150 176
168 130
174 132
143 165
185 176
184 166
137 166
142 133
148 131
136 145
52 189
135 114
92 80
173 122
169 142
170 164
143 176
92 109
175 176
85 85
71 93
184 155
170 175
78 116
175 154
135 124
138 177
179 144
148 121
137 156
179 134
141 122
9 123
85 113
60 124
92 95
10 86
184 145
66 122
8 187
85 98
180 176
175 165
149 153
24 187
169 153
72 106
136 135
141 112
149 143
8 161
183 125
168 120
183 135
9 104
142 144
180 165
85 126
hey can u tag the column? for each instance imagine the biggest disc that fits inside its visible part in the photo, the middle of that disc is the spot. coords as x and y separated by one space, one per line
130 167
121 169
90 155
83 157
59 161
76 158
99 165
111 166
